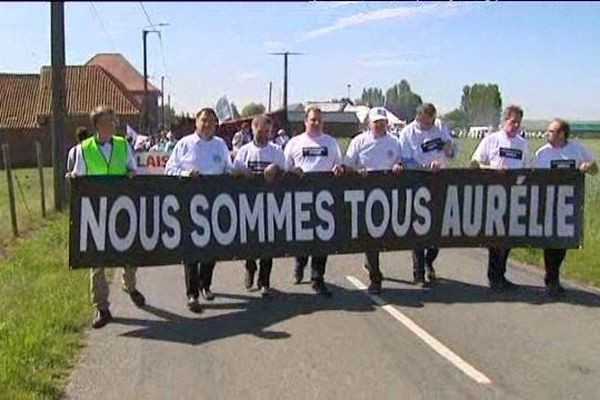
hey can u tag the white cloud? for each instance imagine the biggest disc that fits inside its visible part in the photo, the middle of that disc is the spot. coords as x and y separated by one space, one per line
387 59
244 77
274 45
434 10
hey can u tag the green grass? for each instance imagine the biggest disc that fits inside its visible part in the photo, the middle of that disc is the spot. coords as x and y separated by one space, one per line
582 264
44 309
29 214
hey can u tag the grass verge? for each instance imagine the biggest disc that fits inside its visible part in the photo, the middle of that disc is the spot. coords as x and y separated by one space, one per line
44 309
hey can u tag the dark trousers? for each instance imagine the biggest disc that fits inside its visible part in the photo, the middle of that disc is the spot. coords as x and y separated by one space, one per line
264 274
317 267
198 275
372 264
553 258
423 257
497 264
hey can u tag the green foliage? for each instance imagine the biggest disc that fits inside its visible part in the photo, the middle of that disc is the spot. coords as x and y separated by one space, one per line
252 109
372 97
402 102
482 104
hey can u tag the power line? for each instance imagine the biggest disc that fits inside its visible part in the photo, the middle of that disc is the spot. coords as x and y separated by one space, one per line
162 50
102 26
146 13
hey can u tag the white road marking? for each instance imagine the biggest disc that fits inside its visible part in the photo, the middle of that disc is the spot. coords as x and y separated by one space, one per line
422 334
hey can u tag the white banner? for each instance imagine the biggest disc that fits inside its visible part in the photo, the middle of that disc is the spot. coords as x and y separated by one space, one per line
151 162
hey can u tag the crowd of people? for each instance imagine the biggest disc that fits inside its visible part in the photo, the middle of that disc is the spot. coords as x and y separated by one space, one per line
422 144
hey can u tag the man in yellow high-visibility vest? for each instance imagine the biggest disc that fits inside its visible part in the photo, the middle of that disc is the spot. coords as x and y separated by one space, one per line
105 153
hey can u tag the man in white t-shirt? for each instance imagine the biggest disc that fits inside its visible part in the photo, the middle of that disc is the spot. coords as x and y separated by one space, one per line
81 133
374 150
260 157
558 153
313 151
505 149
425 146
200 153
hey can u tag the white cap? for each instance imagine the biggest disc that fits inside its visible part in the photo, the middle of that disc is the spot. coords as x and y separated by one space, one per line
280 132
377 114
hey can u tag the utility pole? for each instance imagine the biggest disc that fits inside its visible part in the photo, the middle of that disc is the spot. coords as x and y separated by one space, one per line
349 86
162 101
285 86
270 93
57 48
144 122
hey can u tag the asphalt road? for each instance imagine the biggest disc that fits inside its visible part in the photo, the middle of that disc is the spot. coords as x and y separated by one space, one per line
454 341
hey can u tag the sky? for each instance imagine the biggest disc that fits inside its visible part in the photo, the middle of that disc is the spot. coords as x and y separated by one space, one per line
544 56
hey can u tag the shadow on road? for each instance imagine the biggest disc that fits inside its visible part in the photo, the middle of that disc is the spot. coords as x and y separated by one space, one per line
253 316
449 291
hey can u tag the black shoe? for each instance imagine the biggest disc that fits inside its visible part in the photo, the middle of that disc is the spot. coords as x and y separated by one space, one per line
249 279
508 285
101 318
419 281
193 305
137 298
322 289
555 290
374 288
298 277
266 291
207 294
431 277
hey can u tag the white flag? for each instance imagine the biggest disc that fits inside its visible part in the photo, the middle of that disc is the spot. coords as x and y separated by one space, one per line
131 133
223 109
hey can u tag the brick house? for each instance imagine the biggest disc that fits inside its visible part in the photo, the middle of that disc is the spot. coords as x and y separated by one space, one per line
25 108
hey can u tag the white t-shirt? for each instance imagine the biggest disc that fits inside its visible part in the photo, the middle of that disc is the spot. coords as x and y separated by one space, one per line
571 155
258 158
424 146
80 168
318 153
208 157
502 151
373 153
71 159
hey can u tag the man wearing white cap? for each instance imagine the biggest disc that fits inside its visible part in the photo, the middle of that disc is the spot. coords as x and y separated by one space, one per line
425 146
374 150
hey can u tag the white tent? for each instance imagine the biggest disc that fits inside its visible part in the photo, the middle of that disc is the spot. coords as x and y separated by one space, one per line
362 113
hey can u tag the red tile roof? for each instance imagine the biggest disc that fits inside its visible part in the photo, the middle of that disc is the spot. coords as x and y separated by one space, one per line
18 100
118 66
86 87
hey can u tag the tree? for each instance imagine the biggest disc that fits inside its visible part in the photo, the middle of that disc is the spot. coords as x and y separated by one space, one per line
456 118
401 100
482 104
372 97
170 117
251 109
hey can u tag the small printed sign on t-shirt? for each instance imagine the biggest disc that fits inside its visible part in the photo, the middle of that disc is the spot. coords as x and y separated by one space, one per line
515 154
563 164
434 144
315 151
